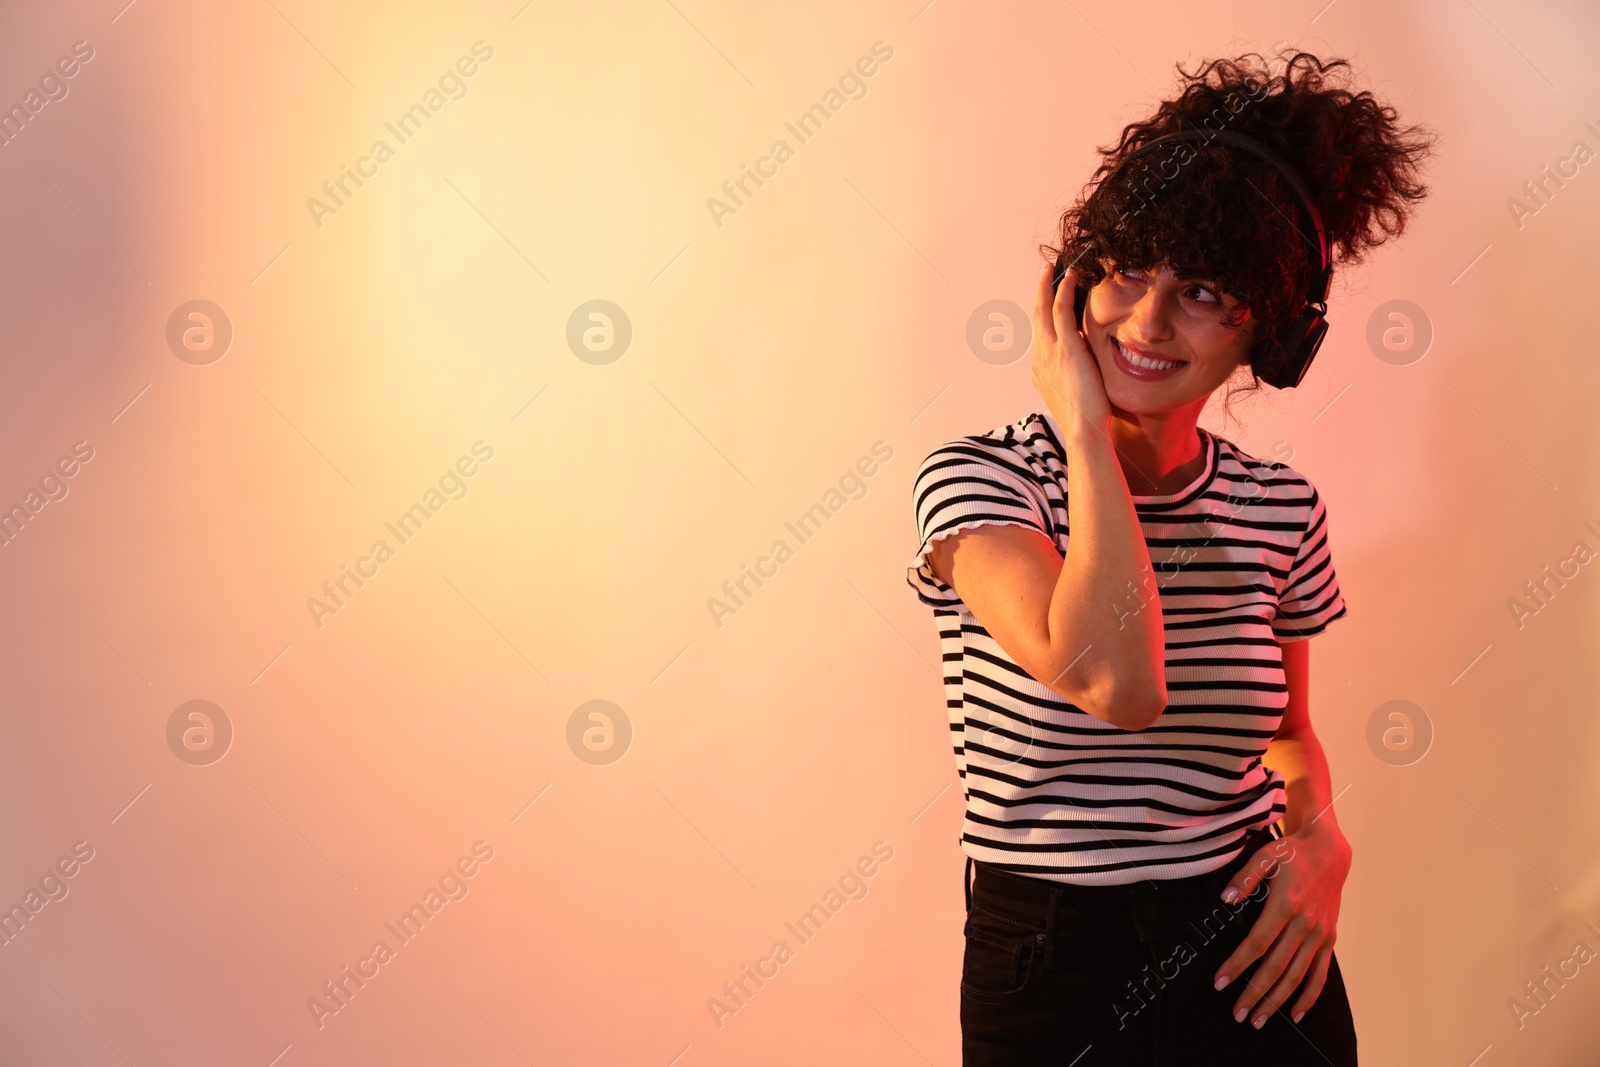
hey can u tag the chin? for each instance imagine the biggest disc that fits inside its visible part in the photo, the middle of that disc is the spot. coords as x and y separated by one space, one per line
1146 405
1134 396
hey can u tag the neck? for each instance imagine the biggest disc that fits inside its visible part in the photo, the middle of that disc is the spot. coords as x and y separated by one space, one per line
1160 454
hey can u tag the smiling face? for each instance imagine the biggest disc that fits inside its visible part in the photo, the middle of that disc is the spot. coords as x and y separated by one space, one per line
1163 342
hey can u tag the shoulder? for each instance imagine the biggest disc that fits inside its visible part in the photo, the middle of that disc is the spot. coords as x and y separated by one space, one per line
1023 449
1012 474
1266 479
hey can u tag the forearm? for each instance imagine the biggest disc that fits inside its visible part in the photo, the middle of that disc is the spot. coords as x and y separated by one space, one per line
1105 624
1307 787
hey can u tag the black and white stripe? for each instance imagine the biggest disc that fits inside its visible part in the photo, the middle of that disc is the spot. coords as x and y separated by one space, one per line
1242 561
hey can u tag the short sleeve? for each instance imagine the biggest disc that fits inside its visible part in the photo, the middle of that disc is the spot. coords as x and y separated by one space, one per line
1310 599
962 485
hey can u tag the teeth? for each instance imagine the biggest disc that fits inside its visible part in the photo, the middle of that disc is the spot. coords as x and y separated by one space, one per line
1140 361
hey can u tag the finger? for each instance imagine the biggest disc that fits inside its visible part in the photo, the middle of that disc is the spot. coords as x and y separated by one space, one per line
1287 982
1252 1000
1253 873
1315 980
1043 326
1263 932
1066 320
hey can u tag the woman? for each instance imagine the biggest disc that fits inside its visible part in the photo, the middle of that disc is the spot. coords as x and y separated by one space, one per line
1128 704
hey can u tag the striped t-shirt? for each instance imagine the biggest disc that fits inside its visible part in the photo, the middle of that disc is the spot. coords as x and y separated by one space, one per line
1241 560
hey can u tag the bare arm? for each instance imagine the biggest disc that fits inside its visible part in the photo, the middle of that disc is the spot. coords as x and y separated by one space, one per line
1293 937
1075 624
1296 753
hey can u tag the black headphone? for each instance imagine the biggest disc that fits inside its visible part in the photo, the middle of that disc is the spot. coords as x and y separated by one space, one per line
1290 353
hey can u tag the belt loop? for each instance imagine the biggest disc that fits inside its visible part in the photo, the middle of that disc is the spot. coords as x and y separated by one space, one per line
966 883
1050 929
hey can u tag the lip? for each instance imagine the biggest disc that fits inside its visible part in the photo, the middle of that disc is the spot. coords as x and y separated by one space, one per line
1142 373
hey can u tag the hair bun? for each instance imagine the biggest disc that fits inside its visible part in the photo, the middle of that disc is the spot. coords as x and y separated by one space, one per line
1362 169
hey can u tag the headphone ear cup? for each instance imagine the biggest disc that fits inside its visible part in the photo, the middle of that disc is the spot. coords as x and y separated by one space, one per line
1282 362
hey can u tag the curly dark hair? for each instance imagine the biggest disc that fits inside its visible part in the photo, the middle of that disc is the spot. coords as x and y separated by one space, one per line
1230 217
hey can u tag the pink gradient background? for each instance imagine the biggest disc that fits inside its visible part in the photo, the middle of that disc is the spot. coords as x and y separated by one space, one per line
768 354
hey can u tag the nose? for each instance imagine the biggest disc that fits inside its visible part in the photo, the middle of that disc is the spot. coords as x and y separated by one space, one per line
1150 320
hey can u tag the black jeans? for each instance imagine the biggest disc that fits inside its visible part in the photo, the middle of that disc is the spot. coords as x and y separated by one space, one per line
1121 975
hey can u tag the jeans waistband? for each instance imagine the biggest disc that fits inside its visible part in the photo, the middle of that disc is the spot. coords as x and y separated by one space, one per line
1142 909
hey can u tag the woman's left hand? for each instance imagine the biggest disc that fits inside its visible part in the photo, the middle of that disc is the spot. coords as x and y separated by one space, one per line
1296 927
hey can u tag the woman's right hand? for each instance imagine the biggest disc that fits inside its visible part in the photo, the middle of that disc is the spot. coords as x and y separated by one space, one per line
1057 614
1064 367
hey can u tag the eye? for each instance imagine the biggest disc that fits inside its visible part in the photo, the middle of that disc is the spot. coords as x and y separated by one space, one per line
1210 295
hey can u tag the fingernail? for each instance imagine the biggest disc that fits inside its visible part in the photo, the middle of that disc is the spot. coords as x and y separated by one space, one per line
1261 1021
1222 981
1229 895
1238 1016
1298 1015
